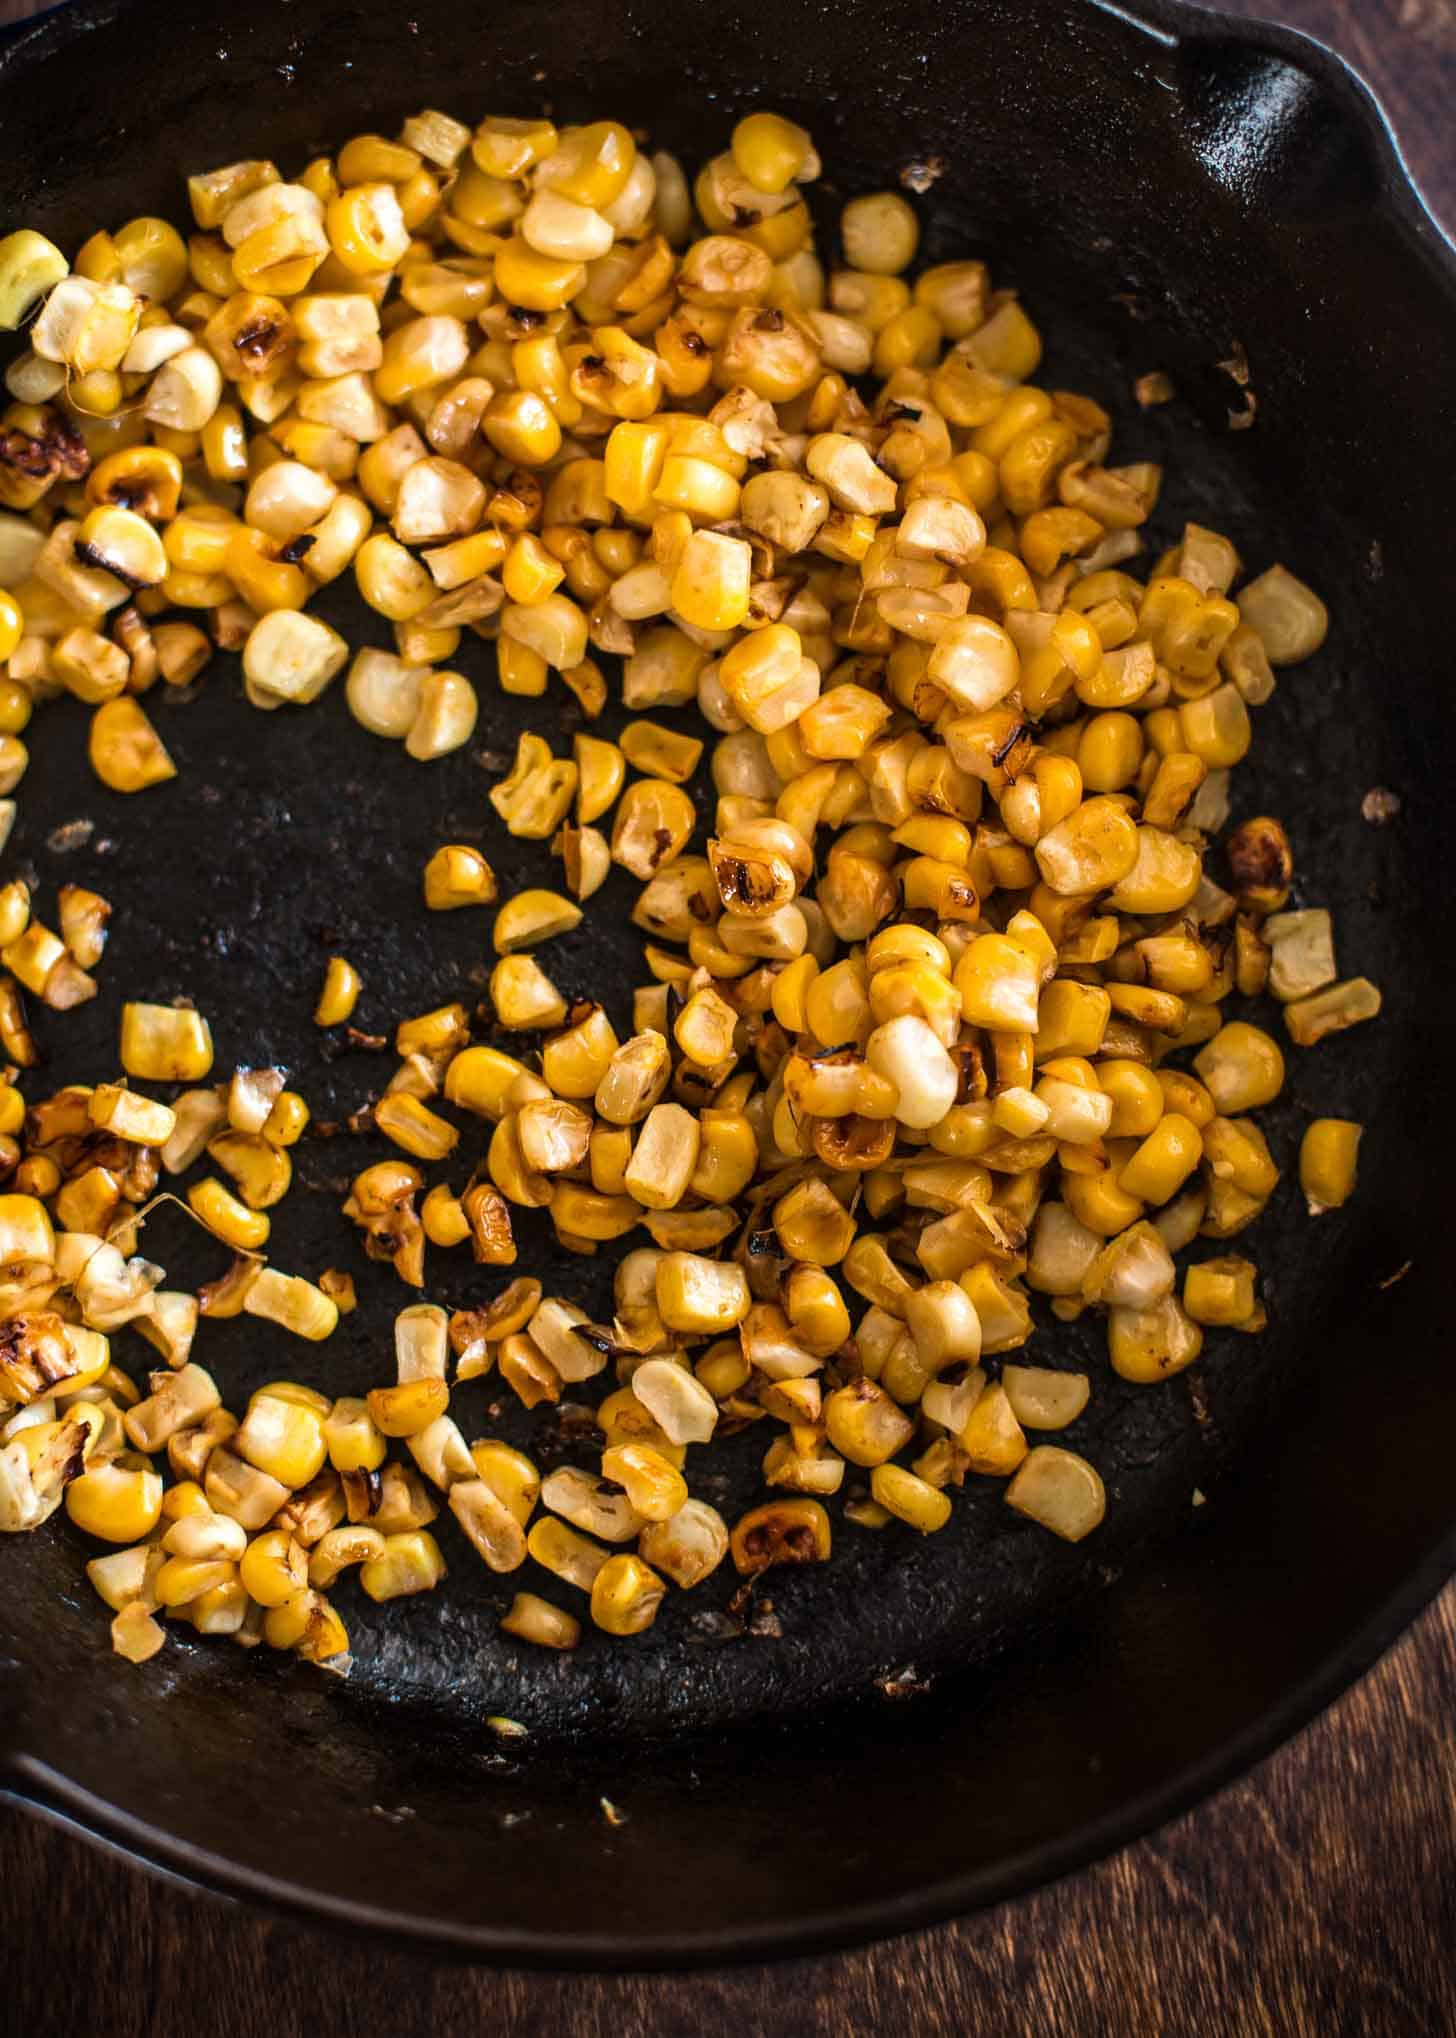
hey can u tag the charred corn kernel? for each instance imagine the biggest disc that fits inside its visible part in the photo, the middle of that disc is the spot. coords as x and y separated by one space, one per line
530 573
1237 1153
32 956
125 750
1095 847
443 1217
306 1623
391 580
446 719
792 1531
1327 1158
654 1487
659 752
992 1438
790 993
1042 1399
576 1062
566 1554
1216 728
366 228
291 657
999 981
711 584
339 995
131 1117
1099 1202
294 1303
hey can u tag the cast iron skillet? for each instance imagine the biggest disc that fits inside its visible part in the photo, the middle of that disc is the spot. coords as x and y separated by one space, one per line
866 1752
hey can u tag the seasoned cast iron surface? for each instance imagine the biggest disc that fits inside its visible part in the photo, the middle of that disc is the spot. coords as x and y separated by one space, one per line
291 836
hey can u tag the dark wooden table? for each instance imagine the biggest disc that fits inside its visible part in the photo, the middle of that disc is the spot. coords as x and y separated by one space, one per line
1317 1897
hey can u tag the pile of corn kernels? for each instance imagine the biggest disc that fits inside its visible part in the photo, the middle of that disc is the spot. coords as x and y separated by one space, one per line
913 1035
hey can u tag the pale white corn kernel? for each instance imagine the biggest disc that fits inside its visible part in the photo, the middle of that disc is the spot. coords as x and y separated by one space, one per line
677 1401
185 391
287 499
290 656
383 693
446 718
557 226
908 1054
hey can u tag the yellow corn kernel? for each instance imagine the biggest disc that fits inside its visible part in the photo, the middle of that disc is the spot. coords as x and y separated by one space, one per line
30 265
523 995
1164 1161
119 1500
479 1079
530 573
458 875
406 1409
531 917
353 1441
864 1424
654 1487
533 1619
411 1124
1242 1068
625 1595
909 1498
1220 1291
339 995
228 1219
773 153
408 1563
165 1043
1327 1160
126 752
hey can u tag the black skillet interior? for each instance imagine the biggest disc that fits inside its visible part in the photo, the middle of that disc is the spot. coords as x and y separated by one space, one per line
1160 203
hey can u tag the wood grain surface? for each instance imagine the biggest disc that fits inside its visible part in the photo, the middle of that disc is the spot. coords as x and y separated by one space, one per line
1315 1898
